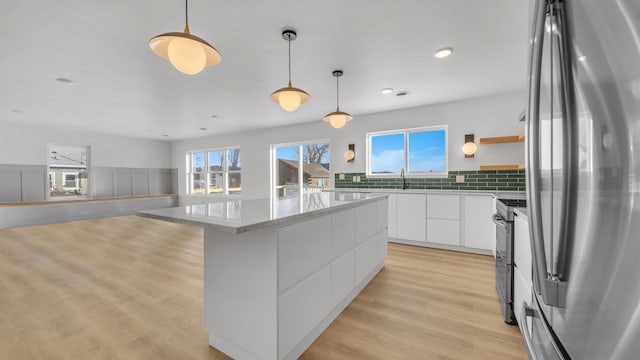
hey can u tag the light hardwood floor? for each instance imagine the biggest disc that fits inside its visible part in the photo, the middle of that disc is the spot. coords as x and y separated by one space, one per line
131 288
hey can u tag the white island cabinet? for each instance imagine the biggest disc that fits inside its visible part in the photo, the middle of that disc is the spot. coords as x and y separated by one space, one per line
277 273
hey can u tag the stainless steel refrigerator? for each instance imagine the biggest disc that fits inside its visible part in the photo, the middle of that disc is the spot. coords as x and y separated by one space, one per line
583 180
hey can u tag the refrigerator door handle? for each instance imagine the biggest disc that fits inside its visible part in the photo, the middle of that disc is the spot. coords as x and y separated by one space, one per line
570 147
533 154
527 311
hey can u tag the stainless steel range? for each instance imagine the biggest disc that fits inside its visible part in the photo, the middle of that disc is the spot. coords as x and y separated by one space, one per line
503 218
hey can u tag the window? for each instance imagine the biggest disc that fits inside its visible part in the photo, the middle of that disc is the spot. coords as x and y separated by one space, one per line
216 171
420 152
68 170
312 157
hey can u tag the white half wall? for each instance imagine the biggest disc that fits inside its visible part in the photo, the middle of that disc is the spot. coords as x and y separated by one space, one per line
26 144
489 116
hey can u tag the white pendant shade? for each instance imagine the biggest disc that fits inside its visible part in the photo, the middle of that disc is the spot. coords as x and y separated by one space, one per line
189 54
338 119
290 97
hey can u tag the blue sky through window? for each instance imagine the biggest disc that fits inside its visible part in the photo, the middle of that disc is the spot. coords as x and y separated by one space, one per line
427 151
387 153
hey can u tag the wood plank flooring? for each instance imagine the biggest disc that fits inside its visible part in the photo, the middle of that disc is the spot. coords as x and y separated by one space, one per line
132 288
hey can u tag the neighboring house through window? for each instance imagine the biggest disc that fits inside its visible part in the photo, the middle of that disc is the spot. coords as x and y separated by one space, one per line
214 171
68 170
312 157
420 152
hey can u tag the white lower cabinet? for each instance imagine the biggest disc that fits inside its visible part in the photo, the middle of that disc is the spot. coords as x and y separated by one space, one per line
410 217
391 220
456 221
442 231
479 229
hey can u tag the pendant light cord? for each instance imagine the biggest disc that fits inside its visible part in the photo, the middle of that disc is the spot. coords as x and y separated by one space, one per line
289 41
337 94
186 16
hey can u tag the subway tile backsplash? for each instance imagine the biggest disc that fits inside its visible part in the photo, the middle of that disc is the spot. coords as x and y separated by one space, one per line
498 180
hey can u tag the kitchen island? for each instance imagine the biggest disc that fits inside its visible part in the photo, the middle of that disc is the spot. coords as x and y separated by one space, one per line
277 272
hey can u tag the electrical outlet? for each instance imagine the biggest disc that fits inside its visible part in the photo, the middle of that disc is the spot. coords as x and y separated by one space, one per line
459 178
341 177
358 178
355 179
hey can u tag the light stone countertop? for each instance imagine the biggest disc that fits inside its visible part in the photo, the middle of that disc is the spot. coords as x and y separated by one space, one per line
497 194
238 216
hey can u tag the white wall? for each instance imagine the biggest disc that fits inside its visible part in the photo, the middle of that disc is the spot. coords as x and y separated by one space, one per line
489 116
25 144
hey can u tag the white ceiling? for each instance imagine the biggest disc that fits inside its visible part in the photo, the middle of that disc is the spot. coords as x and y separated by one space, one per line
122 88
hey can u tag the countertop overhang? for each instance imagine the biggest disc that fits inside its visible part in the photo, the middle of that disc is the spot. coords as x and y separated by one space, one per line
238 216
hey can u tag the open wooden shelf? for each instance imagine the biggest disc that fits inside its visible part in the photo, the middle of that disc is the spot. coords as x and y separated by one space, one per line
502 139
502 167
521 136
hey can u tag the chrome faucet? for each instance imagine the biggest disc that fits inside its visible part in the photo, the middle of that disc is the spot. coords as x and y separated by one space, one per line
404 179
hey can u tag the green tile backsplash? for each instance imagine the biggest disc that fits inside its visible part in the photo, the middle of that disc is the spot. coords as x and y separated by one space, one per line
498 180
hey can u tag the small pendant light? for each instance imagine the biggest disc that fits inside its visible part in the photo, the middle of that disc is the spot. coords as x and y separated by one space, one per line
188 53
338 118
289 97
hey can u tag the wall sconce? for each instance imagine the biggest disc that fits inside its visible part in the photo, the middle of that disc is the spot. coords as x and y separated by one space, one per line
350 154
469 149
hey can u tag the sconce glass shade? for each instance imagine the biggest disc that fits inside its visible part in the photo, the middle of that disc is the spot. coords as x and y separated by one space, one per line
290 97
349 155
189 54
469 148
338 118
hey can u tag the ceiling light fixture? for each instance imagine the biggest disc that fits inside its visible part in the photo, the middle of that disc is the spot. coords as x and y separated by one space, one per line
338 118
65 81
188 53
290 97
386 91
443 53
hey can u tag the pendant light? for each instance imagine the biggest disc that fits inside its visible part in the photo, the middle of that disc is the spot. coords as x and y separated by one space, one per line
289 97
188 53
338 118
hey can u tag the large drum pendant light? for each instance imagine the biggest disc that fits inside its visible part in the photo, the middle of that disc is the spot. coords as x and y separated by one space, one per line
187 53
289 97
338 118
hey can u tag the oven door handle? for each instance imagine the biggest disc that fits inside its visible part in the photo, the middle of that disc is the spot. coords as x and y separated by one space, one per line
499 220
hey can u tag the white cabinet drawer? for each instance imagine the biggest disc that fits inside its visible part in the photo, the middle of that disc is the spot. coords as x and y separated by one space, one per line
443 231
443 207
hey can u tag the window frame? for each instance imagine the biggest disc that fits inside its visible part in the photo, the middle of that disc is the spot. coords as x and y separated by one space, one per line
406 167
299 144
208 172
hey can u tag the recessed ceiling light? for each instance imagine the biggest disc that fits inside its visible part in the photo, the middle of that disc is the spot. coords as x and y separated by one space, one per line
65 81
386 91
443 53
18 111
582 58
165 135
203 129
402 93
215 116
